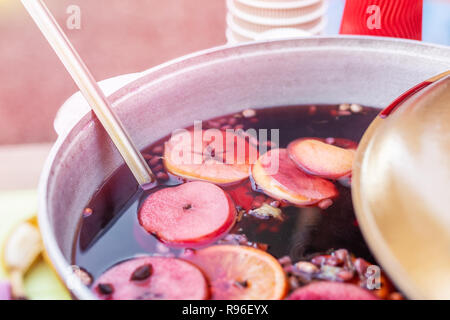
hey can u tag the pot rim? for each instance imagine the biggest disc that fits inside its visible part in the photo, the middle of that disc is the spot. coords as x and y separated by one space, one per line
62 266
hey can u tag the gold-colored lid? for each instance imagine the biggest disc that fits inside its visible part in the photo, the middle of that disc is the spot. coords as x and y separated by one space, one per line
401 192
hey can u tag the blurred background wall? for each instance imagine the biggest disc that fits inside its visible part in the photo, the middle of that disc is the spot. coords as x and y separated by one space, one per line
116 37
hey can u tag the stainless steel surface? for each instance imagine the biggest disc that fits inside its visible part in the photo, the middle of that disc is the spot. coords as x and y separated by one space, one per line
90 90
370 71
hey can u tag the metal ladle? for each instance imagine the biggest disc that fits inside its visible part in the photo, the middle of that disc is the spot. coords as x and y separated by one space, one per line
401 185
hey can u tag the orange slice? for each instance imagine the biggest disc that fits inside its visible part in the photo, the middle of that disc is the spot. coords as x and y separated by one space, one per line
221 157
241 273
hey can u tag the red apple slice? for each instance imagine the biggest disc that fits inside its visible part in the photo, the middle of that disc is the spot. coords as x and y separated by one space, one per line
321 159
152 278
280 178
220 157
327 290
192 214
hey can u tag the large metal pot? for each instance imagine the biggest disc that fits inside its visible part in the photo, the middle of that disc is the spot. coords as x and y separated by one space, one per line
369 71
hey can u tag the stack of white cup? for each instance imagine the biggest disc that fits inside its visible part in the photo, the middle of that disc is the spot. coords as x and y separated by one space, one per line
249 20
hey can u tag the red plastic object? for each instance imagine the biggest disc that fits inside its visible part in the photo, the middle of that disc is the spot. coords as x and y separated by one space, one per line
389 18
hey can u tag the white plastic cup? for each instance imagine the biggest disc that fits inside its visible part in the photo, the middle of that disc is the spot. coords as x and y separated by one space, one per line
310 26
279 4
276 17
282 32
234 37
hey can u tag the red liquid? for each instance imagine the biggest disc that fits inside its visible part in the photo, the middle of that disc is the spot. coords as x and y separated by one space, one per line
111 233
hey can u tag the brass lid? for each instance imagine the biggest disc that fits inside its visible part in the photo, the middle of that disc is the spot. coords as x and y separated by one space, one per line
401 192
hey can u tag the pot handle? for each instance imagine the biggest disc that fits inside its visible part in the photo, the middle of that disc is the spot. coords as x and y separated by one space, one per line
389 18
76 107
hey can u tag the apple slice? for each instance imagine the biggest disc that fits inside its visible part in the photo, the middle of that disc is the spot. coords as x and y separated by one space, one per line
221 157
152 278
191 214
328 290
280 178
321 159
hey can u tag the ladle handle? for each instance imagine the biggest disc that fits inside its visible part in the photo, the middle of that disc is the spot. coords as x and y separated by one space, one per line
90 90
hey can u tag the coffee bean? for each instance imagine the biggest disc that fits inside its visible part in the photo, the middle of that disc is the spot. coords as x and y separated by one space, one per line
105 288
142 273
241 284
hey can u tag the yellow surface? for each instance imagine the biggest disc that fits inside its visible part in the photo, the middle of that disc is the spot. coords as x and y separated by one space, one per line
41 281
